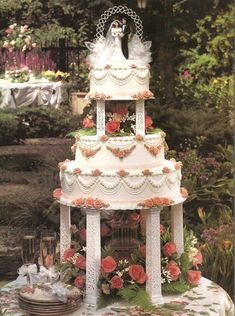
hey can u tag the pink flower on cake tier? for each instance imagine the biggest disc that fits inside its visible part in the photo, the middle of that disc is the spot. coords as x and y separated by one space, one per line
193 277
174 270
79 281
166 170
77 170
146 172
116 282
90 202
147 94
88 122
148 203
157 201
139 137
178 165
104 138
99 204
79 202
184 192
108 66
62 166
108 264
148 122
166 201
121 109
122 173
96 172
137 273
112 127
57 193
68 254
169 248
81 262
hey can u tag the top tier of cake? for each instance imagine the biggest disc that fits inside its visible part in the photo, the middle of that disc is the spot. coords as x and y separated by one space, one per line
126 81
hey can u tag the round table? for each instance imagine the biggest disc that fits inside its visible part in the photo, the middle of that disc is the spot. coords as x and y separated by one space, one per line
38 92
207 298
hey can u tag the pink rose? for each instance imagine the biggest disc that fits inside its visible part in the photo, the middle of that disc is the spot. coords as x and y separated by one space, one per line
87 122
137 273
161 228
108 264
112 127
197 259
169 248
68 254
90 202
79 281
116 282
148 122
81 262
174 270
193 277
57 193
135 217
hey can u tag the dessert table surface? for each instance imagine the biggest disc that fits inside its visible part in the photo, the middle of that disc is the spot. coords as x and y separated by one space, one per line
206 299
39 92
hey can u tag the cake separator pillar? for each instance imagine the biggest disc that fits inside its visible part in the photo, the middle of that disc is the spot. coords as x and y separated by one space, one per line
140 117
65 234
177 227
93 256
100 118
153 255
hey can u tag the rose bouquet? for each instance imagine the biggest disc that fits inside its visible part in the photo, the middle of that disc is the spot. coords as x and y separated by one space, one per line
18 37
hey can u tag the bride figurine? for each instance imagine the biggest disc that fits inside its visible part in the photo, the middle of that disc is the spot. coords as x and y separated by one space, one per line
109 49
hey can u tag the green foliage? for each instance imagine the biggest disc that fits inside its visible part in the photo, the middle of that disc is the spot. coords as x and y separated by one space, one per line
83 132
175 287
12 129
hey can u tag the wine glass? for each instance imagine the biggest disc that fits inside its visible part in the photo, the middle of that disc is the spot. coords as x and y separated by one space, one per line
48 248
28 250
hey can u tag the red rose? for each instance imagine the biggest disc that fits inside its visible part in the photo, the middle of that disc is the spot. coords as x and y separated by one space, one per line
82 233
137 273
161 228
69 253
148 122
120 109
112 127
87 122
79 281
81 262
116 282
108 264
174 270
169 248
105 230
197 259
194 277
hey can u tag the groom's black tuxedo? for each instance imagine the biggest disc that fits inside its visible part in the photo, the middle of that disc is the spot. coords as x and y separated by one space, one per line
126 32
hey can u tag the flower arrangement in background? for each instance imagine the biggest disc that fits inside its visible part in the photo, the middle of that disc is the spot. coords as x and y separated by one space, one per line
54 75
18 37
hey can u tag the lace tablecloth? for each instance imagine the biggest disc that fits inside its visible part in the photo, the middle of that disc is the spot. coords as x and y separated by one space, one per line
13 95
206 299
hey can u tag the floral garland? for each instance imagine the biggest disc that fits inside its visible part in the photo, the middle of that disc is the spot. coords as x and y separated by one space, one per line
121 153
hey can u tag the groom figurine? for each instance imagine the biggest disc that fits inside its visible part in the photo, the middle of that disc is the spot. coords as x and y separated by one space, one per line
125 36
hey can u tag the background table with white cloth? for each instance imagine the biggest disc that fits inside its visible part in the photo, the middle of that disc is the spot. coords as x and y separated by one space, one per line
41 92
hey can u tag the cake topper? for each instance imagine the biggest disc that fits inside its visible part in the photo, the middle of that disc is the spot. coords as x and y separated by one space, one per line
117 46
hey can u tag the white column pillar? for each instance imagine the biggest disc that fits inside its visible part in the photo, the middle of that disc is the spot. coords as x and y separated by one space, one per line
177 227
93 256
140 117
153 255
100 117
65 234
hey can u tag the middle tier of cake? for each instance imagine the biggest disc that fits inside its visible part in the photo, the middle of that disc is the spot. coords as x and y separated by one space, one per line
121 173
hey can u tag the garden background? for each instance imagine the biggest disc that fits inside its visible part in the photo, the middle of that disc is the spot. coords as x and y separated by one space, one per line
192 47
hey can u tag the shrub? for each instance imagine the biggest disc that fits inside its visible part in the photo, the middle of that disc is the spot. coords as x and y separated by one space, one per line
46 122
12 129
